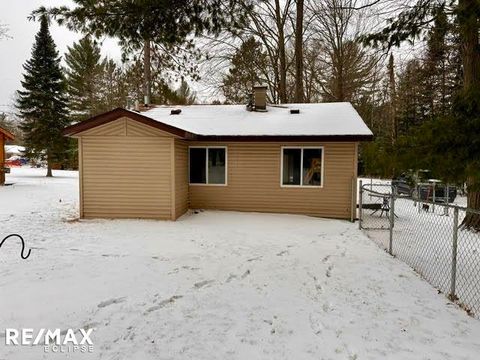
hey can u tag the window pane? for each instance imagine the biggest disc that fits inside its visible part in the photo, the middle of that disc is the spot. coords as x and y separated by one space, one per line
291 166
216 166
312 167
198 158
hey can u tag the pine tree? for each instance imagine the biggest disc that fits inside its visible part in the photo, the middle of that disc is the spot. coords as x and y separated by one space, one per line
442 65
84 76
248 67
412 104
113 85
42 103
464 118
184 95
140 24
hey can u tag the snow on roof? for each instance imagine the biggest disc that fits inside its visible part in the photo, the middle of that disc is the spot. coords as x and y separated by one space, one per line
14 149
325 119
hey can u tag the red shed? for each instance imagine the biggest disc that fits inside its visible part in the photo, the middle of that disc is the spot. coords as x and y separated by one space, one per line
4 136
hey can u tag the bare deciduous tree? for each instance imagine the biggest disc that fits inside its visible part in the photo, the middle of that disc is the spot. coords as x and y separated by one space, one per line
347 68
269 23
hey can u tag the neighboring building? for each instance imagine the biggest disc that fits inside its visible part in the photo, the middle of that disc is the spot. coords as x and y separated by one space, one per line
14 150
4 136
294 158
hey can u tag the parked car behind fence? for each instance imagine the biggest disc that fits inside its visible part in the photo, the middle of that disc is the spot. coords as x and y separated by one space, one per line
434 190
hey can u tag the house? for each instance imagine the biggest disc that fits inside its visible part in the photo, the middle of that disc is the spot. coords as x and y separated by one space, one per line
4 136
295 158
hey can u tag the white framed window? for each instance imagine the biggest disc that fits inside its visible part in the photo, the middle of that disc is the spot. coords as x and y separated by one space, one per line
207 165
302 166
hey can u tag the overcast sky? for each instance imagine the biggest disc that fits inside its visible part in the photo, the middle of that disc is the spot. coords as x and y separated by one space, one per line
16 50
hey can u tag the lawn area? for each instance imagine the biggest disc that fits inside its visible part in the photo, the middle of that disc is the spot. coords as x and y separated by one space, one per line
423 238
213 285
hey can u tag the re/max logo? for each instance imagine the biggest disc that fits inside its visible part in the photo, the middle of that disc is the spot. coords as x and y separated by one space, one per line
47 336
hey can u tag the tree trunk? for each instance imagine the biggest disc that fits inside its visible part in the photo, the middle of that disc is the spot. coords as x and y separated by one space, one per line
338 62
469 36
472 220
49 166
340 93
469 27
299 95
282 86
393 96
147 81
444 88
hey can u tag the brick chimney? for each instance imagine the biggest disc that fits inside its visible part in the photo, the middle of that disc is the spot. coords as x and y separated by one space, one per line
260 97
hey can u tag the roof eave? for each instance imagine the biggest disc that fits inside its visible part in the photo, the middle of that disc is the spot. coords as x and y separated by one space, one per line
76 129
286 138
8 135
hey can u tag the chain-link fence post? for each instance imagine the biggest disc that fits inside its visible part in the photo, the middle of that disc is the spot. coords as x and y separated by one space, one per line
434 198
453 279
392 220
446 200
360 201
419 197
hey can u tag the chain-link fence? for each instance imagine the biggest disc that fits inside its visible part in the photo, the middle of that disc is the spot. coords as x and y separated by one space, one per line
429 236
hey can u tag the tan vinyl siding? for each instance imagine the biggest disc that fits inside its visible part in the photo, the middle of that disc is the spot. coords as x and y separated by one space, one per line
114 128
353 216
254 182
136 129
125 171
131 170
181 177
124 127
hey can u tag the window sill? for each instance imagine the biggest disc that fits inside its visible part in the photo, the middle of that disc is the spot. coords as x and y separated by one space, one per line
222 185
302 186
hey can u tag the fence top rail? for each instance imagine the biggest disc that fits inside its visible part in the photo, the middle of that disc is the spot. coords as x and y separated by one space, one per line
369 188
450 206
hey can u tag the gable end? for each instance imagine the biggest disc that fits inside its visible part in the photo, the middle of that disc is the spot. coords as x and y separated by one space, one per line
105 118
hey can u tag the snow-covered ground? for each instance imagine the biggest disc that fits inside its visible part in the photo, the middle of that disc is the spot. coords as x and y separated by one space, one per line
423 238
213 285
